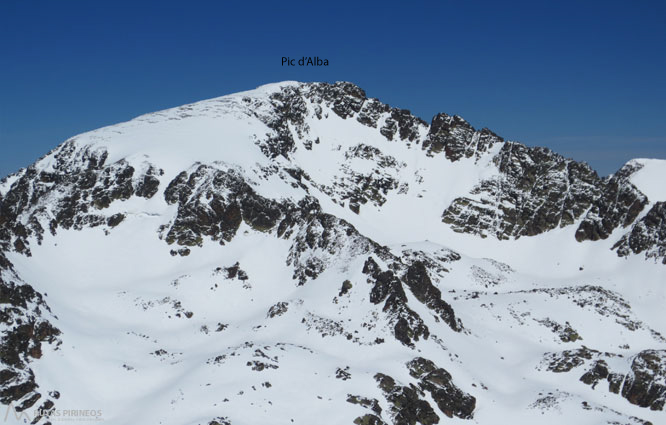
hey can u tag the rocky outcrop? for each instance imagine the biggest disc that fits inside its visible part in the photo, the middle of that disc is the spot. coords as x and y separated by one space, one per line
348 100
567 360
213 202
344 98
457 138
25 328
598 372
371 186
369 419
648 236
370 404
565 332
292 104
450 399
408 403
278 309
644 385
387 288
419 283
290 111
618 205
322 240
73 193
536 191
402 125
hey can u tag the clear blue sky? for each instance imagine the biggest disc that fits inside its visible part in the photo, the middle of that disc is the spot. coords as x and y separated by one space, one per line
584 78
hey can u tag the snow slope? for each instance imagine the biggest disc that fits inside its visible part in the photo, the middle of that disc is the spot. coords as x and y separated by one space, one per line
649 179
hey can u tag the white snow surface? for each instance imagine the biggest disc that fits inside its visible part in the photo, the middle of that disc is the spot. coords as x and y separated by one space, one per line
129 350
651 178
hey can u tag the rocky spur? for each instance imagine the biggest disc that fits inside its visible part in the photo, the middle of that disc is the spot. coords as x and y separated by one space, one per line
304 61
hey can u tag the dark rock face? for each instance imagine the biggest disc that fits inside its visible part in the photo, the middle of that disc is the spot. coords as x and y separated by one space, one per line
598 372
204 210
648 235
565 332
148 187
278 309
72 194
537 191
387 288
404 123
567 360
346 286
408 402
345 99
457 138
234 272
369 419
213 203
220 420
407 406
321 239
418 281
619 204
370 113
371 186
348 100
451 400
21 341
368 403
645 385
291 110
115 220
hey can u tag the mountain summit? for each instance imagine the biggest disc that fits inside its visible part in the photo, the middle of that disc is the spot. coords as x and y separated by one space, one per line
301 253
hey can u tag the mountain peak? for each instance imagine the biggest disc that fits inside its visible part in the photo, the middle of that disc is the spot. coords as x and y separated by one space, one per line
302 243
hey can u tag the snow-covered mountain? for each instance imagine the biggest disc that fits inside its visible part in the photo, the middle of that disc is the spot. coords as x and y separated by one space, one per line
302 254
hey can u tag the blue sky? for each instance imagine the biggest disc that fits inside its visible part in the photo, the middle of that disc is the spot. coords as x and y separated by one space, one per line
587 79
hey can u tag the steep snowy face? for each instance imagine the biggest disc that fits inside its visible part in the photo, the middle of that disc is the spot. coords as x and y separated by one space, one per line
301 253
